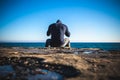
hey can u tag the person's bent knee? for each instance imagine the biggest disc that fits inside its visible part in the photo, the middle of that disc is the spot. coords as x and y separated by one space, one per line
48 41
66 43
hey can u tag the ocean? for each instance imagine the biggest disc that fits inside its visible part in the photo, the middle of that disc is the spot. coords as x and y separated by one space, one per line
104 46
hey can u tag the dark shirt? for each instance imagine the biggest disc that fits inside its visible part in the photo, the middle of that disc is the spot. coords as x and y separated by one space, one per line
57 31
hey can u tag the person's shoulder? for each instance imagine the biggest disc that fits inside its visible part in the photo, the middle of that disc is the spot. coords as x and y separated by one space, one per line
64 25
52 24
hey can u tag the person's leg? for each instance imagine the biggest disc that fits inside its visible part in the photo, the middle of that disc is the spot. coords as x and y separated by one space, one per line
66 43
48 41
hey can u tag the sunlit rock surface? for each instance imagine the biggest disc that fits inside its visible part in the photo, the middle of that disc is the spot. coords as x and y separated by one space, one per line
17 63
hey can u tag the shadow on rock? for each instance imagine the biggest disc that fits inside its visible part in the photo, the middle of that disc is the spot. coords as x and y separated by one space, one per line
23 66
66 71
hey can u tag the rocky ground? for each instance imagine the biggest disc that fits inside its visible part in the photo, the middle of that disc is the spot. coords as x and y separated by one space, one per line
71 63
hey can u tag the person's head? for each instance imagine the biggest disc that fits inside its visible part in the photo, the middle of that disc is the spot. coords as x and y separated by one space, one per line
58 21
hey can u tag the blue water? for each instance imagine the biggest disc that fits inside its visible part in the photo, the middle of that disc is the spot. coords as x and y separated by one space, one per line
105 46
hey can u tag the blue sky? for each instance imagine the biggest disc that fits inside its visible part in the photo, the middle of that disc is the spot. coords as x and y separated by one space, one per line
87 20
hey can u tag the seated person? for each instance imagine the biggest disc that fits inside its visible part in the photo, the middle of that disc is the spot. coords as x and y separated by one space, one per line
57 31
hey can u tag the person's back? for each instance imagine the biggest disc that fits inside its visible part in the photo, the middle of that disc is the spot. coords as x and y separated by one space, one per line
57 31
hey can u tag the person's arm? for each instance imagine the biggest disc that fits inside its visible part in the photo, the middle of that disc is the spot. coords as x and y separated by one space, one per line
49 31
67 33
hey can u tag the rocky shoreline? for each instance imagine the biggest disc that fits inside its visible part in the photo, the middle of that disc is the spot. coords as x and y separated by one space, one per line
64 63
